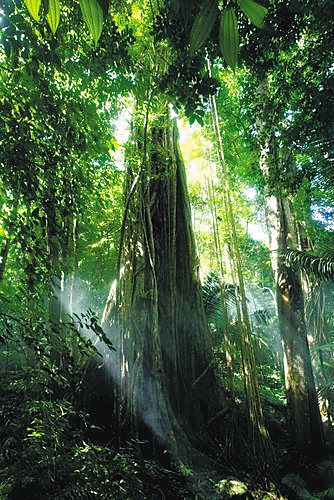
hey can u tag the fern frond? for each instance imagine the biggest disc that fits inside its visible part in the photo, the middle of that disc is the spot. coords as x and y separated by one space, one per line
211 290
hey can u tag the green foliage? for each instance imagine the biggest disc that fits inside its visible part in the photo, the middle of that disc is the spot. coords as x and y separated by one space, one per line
296 484
46 453
254 11
202 25
61 198
53 15
212 298
89 321
232 487
265 339
321 267
229 36
42 366
56 178
43 438
92 14
319 484
57 173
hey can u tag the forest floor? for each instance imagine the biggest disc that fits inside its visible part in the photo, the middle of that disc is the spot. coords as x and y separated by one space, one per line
183 483
47 459
51 449
207 485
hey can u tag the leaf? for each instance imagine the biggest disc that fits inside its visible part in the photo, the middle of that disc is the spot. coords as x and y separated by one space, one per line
322 267
203 24
92 14
53 15
229 37
33 7
254 11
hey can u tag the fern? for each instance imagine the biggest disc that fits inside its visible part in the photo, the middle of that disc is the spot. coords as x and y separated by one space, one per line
211 291
323 477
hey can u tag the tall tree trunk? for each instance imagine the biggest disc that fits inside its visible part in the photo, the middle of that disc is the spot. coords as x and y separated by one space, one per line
305 424
165 371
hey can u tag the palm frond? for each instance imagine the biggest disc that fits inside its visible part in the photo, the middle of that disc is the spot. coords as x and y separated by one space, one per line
212 297
212 288
321 267
322 478
261 317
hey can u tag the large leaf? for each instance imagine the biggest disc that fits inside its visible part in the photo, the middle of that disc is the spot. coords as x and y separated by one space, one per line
53 15
33 7
203 24
229 36
254 11
93 16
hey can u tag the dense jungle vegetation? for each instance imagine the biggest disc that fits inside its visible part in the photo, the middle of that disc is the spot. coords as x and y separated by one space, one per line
166 249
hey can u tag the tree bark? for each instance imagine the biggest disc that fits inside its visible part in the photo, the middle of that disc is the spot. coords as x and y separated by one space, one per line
3 257
164 371
305 426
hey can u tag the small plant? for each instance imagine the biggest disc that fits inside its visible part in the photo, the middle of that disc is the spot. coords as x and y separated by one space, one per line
88 321
185 470
231 487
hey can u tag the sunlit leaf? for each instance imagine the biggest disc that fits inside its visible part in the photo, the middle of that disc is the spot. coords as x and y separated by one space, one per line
92 14
53 15
33 7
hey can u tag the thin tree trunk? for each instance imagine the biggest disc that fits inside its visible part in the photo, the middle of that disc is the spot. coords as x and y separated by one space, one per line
259 438
224 309
261 445
3 257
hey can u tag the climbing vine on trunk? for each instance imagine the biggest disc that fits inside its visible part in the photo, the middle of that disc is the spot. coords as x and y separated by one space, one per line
165 373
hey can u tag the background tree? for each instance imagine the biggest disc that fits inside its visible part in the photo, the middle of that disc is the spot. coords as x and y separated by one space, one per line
284 165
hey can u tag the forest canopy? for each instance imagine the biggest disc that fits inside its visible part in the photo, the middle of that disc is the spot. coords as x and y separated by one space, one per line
166 249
